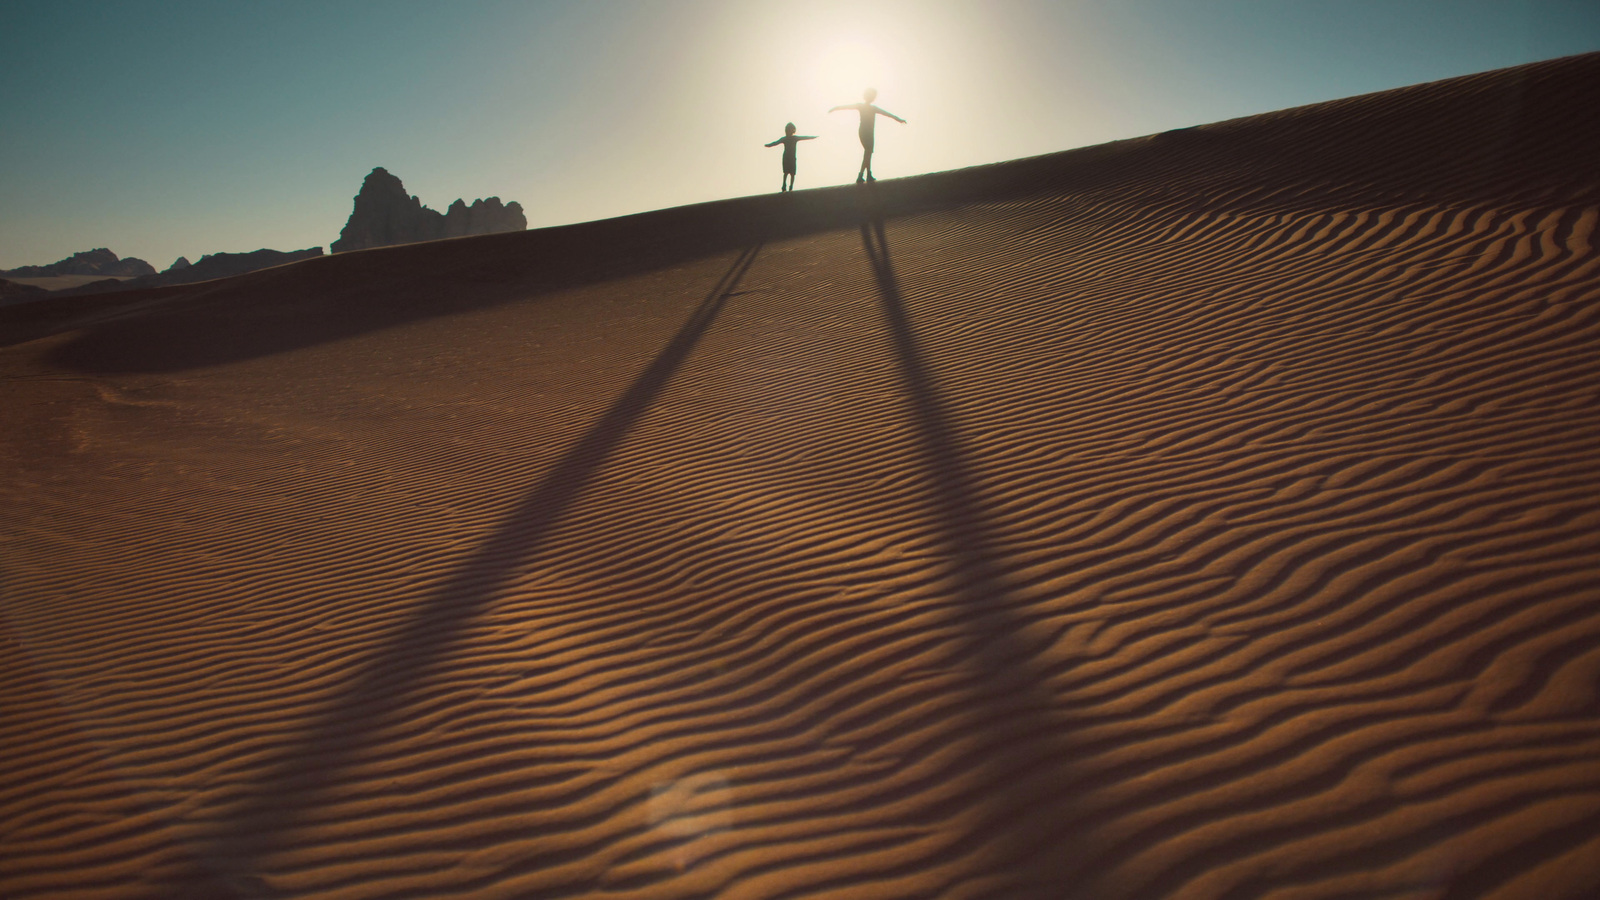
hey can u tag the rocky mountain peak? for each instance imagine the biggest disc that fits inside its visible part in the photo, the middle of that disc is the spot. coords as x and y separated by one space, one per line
385 214
98 261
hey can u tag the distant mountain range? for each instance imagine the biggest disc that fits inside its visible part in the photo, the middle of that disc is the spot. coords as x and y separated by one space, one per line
383 214
99 261
117 271
224 265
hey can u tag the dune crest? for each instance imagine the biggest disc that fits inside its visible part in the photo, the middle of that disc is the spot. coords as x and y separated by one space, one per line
1208 515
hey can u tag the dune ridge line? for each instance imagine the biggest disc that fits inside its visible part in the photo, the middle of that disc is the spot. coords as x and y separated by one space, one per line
1208 515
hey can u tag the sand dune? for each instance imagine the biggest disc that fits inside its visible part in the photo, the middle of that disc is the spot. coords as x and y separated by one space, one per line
1213 515
62 282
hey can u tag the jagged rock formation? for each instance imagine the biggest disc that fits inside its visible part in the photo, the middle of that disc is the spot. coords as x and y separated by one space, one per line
99 261
385 214
178 264
483 217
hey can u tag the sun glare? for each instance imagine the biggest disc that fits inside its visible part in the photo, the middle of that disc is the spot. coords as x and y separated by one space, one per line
928 61
847 67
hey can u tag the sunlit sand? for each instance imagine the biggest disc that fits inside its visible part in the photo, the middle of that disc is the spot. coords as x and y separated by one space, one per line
1209 515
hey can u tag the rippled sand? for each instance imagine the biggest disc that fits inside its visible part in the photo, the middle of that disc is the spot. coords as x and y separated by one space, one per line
1209 515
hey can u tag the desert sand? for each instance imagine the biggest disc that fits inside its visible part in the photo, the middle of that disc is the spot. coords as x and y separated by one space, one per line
63 282
1209 515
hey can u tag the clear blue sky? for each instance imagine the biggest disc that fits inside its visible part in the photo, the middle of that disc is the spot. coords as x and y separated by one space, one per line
184 128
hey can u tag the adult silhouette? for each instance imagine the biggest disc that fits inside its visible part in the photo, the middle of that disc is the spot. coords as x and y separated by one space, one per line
869 118
789 140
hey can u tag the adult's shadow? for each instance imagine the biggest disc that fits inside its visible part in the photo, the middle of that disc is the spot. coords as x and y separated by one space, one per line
1023 744
382 687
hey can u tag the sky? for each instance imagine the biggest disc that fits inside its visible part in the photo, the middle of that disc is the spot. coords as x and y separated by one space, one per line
186 128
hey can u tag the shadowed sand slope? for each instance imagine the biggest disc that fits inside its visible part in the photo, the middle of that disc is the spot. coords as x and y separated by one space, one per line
1210 515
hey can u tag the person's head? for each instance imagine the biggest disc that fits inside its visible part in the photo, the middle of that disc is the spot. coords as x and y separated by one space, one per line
789 128
870 94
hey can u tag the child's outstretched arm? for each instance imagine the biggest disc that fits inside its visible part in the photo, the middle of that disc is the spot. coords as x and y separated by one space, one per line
845 106
805 137
774 143
890 114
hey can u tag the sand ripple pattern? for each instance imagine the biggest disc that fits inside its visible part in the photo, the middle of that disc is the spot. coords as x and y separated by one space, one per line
1212 515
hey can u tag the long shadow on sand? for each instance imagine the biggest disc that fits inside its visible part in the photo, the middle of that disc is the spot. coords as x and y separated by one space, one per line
1023 744
381 688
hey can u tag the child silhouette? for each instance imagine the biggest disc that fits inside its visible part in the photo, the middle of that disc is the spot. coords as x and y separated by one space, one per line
869 118
788 141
